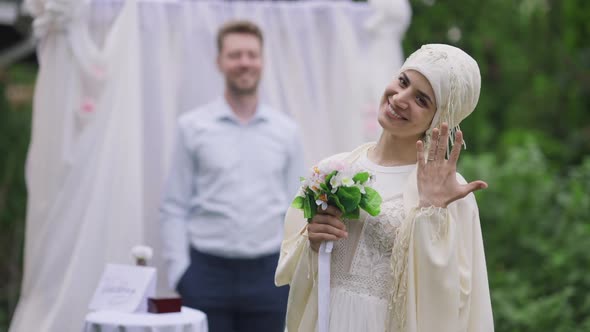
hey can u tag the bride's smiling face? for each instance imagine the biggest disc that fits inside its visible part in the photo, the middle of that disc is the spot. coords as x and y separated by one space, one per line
407 106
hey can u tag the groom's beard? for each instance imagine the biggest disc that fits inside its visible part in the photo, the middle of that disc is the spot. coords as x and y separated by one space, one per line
243 84
239 90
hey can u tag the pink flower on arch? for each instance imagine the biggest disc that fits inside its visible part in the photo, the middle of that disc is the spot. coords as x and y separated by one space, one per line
88 105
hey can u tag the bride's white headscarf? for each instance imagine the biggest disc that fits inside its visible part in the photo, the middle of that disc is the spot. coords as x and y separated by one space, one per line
455 79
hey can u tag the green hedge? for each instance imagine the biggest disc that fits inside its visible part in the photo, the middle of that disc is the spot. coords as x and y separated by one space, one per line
537 239
15 124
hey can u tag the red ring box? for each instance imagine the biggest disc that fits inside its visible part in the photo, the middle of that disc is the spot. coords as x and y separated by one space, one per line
164 305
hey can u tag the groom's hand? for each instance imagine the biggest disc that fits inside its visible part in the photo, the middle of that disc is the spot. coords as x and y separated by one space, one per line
325 226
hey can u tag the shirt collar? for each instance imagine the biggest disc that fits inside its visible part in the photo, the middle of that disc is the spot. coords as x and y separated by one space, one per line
225 112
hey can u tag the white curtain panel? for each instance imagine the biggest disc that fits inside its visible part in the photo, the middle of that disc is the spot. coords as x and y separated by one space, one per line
84 170
114 76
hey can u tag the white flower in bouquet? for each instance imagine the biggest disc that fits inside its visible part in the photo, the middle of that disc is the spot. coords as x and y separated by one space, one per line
341 179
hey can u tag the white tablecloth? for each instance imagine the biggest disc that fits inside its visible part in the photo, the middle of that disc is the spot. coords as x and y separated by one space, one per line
189 320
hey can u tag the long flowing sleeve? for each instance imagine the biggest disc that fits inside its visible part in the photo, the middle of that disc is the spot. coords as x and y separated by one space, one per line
298 268
295 165
447 277
174 211
294 242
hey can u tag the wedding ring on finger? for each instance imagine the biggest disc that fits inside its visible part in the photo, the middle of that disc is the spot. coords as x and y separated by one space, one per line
430 158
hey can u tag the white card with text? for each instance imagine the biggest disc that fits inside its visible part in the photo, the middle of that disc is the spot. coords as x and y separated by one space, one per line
124 288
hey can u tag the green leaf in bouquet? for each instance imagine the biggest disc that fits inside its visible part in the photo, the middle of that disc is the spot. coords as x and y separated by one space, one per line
309 207
314 206
324 187
350 197
352 215
306 208
361 177
298 202
334 200
371 201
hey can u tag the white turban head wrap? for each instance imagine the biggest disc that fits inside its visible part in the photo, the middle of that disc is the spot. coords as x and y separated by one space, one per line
455 79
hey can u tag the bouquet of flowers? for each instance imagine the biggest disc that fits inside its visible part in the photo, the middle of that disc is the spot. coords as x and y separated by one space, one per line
340 185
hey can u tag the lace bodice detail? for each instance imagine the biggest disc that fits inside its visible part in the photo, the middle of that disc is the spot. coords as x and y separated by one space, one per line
362 263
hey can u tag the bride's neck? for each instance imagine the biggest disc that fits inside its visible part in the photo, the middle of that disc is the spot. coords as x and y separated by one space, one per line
394 151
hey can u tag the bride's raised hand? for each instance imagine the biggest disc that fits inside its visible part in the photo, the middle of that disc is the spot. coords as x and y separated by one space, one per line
437 179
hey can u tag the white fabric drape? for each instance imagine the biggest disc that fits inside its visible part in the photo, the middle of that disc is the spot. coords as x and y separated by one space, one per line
84 168
113 77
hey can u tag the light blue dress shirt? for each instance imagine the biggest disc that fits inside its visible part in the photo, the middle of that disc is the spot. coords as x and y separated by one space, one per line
229 185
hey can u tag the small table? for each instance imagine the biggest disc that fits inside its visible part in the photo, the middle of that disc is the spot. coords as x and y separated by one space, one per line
188 320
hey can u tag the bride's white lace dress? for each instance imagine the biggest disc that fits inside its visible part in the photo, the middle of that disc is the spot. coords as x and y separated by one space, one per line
361 271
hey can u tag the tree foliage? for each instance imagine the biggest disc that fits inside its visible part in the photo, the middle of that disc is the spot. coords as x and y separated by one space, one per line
15 124
537 239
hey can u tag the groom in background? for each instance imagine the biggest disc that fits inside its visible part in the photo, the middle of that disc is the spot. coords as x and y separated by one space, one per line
233 174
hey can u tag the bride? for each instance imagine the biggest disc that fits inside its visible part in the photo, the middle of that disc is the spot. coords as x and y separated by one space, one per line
419 266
